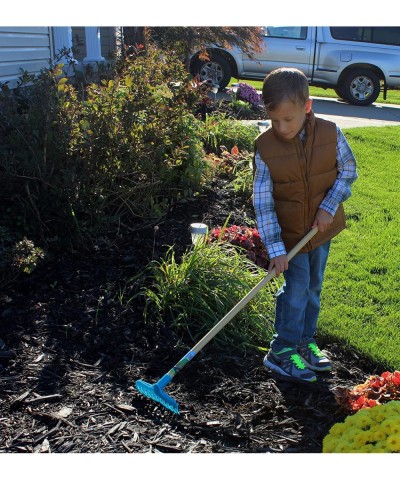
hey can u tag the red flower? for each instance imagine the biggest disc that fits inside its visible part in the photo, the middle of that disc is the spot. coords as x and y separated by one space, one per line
234 150
396 378
375 382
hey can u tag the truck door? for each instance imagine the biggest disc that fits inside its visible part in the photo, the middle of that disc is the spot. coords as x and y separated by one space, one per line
283 47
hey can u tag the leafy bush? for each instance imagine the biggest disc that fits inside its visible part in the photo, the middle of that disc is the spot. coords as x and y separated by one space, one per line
200 290
80 162
221 131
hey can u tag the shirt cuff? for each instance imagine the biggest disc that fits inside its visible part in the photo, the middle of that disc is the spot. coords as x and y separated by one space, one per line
329 206
276 249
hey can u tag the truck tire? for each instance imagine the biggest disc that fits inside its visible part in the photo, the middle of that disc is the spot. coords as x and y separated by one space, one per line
217 70
339 92
360 87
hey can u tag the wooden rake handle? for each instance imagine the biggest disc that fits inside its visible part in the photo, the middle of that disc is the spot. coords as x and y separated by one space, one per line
253 292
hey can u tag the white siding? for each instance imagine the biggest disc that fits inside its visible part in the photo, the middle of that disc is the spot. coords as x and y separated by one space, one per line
28 48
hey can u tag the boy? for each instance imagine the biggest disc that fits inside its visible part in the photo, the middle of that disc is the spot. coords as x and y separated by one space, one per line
303 170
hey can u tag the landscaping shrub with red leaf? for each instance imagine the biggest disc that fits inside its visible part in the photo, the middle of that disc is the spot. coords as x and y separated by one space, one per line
378 389
244 237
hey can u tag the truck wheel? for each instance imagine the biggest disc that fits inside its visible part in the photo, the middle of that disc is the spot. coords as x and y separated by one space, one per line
216 70
360 87
339 92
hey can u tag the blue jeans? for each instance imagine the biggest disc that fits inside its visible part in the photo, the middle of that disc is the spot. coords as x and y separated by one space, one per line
298 300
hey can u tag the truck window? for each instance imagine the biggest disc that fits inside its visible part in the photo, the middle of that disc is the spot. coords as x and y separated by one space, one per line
382 35
299 33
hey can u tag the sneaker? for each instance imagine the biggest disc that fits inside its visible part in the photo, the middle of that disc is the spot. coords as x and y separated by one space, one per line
313 357
288 362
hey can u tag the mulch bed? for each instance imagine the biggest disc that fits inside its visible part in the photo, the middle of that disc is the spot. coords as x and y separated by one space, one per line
78 351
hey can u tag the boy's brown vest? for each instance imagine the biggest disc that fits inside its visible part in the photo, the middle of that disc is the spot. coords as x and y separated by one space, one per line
302 176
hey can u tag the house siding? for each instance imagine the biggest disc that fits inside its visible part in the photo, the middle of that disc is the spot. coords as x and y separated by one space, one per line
26 48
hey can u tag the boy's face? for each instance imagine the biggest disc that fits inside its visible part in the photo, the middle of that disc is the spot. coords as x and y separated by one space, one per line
288 118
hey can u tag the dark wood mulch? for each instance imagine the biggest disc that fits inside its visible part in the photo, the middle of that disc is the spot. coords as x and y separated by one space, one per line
79 347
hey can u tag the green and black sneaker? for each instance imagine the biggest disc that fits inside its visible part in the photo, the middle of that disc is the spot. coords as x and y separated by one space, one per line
313 357
288 362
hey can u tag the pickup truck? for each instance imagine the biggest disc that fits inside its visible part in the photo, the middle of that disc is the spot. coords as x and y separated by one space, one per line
357 62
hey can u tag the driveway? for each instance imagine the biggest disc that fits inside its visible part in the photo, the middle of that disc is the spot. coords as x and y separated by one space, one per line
350 116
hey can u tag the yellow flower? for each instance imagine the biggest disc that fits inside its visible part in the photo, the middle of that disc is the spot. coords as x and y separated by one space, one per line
393 406
366 448
329 444
393 443
338 429
363 438
343 447
378 414
387 425
395 430
378 434
362 421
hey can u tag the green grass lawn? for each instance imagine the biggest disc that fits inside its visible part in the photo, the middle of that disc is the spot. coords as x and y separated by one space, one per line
360 299
393 96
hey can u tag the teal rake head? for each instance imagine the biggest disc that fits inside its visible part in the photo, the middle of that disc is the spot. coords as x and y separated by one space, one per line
156 393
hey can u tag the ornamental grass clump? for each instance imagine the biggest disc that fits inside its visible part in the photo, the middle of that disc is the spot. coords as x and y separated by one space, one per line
194 294
370 430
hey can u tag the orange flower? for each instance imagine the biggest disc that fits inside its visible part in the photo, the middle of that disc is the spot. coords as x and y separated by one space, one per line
234 150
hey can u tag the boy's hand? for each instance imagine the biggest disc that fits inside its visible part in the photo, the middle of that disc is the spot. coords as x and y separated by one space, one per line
280 263
322 220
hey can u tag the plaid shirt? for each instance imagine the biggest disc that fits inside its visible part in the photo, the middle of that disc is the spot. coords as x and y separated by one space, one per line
263 201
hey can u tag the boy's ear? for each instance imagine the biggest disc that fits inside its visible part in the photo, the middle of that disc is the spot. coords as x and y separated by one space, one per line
308 105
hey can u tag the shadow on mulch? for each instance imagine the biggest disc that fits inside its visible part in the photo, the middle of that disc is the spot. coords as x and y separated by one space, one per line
80 345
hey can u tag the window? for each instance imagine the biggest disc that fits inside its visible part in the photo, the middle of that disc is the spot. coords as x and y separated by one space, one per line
299 33
382 35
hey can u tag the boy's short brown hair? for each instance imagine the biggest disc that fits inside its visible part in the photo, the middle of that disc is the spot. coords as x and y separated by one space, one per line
284 84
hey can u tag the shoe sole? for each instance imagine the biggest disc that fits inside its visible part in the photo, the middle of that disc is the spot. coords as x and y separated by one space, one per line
276 369
317 369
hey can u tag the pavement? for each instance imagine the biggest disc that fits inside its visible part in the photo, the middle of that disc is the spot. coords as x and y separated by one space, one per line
350 116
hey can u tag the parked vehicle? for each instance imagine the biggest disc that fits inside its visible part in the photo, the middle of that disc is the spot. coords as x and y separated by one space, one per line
357 62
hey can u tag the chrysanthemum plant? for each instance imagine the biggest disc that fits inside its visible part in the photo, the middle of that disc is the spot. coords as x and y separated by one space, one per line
370 430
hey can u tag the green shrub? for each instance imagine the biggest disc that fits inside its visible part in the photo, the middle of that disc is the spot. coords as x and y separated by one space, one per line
208 282
220 130
79 162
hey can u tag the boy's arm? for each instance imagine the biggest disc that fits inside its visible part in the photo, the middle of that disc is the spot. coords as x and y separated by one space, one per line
264 207
347 174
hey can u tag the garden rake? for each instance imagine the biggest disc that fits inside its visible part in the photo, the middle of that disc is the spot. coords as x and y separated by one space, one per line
156 391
